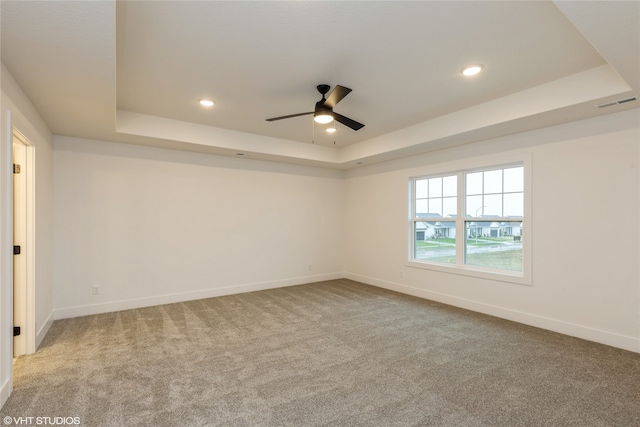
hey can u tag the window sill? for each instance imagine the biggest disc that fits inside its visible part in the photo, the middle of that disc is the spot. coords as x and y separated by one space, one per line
518 278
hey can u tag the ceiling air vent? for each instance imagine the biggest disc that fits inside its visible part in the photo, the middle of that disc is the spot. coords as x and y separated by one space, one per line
622 101
618 102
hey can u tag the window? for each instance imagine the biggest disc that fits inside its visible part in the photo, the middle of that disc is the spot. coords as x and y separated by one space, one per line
471 221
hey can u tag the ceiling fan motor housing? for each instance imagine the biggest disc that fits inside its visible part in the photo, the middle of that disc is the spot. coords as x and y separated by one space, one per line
321 108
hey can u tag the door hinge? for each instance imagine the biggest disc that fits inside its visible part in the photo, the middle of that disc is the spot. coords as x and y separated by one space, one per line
16 168
16 331
16 250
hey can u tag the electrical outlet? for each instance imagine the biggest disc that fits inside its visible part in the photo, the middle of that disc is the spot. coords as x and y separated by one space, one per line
309 267
401 274
95 290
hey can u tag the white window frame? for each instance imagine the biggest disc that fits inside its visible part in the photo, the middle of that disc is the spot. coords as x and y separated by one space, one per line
523 277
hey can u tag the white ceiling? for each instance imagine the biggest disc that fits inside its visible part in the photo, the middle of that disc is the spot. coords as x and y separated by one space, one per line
134 71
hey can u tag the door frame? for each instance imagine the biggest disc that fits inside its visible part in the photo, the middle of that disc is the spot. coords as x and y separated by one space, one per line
25 318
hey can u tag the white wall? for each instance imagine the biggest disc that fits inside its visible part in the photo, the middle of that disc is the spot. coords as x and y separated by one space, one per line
151 225
17 112
585 231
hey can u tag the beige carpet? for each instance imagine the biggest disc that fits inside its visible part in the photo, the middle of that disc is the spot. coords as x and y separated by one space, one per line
337 353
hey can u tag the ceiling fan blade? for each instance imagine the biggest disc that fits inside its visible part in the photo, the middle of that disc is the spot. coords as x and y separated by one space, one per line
347 121
289 116
336 96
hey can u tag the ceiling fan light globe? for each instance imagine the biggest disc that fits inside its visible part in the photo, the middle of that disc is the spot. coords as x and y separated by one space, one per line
323 118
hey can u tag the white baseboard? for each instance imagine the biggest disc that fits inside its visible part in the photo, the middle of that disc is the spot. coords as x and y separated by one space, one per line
64 313
43 330
5 392
566 328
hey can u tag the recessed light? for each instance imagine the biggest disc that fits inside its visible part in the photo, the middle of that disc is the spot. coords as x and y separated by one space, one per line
206 103
472 70
330 130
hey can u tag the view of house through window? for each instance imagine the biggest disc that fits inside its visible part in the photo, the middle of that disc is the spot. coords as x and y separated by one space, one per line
436 208
483 228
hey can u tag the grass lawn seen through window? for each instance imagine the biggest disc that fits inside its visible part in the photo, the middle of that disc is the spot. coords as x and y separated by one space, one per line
494 252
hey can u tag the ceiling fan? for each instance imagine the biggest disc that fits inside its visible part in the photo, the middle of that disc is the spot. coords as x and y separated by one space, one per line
323 113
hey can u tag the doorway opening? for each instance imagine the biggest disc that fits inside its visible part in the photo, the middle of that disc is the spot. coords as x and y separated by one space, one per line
23 245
